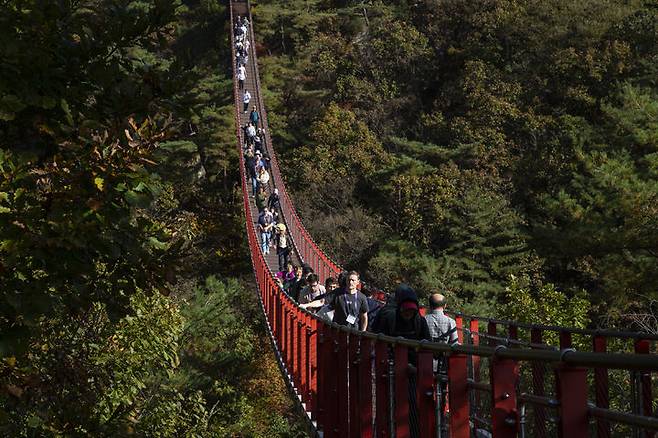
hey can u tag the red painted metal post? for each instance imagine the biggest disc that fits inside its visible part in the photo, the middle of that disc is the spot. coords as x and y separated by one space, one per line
565 339
401 364
301 354
341 403
426 394
313 368
324 349
294 347
458 396
572 395
474 326
491 331
365 388
287 333
642 346
601 388
279 324
331 379
504 377
513 333
354 395
382 412
538 381
459 322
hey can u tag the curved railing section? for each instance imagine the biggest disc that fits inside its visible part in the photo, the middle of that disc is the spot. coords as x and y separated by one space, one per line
504 381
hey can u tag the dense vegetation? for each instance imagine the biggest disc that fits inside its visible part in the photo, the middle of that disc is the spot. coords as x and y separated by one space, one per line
454 145
123 303
503 150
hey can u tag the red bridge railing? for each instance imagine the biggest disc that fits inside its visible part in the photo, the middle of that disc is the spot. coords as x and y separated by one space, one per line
506 380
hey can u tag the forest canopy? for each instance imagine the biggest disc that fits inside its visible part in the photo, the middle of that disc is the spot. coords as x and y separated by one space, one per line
495 139
126 293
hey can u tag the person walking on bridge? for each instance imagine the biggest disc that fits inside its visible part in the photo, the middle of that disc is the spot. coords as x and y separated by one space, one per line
274 203
350 305
242 76
442 327
253 118
282 245
246 98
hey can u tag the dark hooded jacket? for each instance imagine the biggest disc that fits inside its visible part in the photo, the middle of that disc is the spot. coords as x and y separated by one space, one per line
390 322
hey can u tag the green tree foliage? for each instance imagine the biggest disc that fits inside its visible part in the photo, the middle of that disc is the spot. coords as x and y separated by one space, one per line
227 358
519 138
87 375
72 231
544 304
117 175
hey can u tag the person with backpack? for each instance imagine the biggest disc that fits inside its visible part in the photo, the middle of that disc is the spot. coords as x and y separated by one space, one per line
261 200
265 225
404 318
442 329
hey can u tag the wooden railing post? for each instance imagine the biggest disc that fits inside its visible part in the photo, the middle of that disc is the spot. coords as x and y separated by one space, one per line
426 394
642 346
572 395
601 388
382 418
458 396
504 377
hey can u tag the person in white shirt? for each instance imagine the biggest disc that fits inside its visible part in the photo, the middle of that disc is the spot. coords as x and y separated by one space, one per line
251 133
242 76
246 98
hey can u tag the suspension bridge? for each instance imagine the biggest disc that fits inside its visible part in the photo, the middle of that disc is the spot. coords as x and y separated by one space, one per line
504 379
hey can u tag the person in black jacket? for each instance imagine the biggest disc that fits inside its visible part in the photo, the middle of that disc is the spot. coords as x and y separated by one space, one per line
405 320
401 317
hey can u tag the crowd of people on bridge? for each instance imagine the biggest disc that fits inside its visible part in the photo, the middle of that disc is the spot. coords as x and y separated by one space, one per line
343 300
271 231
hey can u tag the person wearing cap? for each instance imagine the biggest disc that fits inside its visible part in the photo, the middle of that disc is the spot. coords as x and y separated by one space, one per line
263 178
404 319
